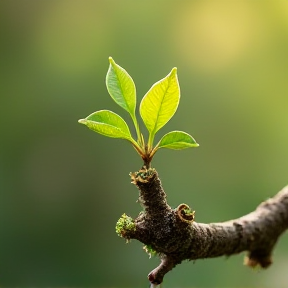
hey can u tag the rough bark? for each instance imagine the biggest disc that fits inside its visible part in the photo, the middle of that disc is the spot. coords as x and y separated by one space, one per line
175 236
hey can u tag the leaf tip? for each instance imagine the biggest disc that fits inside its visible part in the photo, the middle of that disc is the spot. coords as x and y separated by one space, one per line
174 70
82 121
111 60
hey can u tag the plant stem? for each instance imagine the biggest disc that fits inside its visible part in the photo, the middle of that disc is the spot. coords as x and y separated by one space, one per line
137 147
138 133
150 141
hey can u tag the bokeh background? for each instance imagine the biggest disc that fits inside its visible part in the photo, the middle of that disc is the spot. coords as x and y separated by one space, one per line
63 187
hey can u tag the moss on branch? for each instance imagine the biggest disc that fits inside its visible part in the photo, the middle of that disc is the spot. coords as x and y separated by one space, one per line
125 226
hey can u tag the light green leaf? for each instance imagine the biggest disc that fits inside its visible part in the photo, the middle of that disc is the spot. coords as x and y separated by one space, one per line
177 140
108 123
160 102
121 87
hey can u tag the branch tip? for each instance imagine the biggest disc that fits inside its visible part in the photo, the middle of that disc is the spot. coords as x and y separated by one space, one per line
144 175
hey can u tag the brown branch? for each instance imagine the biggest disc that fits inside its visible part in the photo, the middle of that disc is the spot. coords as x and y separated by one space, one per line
175 236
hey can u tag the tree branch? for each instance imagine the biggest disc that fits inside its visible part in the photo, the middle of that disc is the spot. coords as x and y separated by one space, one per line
175 236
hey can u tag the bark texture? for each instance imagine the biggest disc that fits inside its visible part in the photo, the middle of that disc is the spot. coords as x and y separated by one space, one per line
175 236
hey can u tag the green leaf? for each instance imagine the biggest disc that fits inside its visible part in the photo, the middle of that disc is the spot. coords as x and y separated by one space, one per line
160 102
177 140
108 123
121 87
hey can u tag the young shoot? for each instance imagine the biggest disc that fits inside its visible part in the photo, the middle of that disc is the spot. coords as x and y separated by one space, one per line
157 107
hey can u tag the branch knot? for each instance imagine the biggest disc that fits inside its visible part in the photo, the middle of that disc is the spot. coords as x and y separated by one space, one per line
185 213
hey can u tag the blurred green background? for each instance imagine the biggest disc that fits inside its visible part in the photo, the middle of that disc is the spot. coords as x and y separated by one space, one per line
63 187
